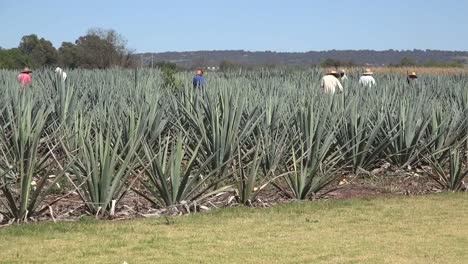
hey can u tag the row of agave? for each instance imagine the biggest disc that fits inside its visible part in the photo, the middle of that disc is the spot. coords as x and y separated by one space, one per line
106 131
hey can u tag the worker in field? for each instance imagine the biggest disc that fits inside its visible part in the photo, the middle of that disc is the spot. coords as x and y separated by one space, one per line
61 73
330 83
24 79
412 78
343 76
198 80
366 79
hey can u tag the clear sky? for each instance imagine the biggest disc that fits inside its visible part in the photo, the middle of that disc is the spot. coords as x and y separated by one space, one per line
286 25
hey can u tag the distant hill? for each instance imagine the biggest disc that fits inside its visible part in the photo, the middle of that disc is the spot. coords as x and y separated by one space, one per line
359 57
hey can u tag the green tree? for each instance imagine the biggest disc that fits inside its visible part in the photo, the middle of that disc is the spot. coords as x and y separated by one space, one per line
336 63
41 52
226 65
13 59
452 64
101 48
92 52
406 61
68 55
169 70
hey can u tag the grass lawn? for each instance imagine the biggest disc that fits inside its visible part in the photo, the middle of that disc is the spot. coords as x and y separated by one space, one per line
422 229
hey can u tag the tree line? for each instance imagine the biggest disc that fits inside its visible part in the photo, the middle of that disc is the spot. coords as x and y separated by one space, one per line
410 62
329 58
227 65
98 48
405 62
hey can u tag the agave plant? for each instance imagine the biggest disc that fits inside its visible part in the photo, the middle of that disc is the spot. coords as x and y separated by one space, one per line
101 162
406 123
360 138
447 127
221 125
274 138
248 128
306 180
248 182
315 160
65 102
317 125
453 178
25 163
174 175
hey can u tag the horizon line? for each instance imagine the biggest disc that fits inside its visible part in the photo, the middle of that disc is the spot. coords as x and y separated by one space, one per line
275 51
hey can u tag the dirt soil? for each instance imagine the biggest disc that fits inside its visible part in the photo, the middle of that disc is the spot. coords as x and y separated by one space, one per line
399 183
71 207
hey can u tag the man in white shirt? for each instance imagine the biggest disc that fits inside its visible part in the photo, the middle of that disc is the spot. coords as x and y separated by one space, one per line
61 73
330 82
366 79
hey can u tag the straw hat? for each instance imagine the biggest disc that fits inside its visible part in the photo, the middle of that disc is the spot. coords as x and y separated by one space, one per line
26 70
368 72
413 74
333 72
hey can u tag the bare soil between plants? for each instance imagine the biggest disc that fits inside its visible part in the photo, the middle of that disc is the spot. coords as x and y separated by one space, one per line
69 206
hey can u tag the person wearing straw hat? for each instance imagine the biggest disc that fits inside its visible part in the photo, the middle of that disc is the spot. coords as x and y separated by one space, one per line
330 82
366 79
198 80
24 78
412 78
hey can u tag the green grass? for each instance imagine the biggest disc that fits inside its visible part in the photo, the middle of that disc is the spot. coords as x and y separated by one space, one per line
422 229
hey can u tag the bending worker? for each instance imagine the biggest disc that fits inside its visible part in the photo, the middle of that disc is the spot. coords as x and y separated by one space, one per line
412 78
330 82
24 78
198 80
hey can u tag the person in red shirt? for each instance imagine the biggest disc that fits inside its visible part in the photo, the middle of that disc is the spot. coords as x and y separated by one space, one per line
24 78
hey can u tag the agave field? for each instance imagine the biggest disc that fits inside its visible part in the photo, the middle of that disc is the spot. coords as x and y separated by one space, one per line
105 132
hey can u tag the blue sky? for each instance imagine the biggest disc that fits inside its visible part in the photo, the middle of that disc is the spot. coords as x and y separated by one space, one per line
294 25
